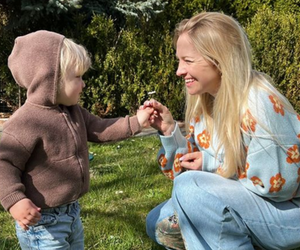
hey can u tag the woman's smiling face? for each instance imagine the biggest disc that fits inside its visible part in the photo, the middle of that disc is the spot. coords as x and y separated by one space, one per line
200 76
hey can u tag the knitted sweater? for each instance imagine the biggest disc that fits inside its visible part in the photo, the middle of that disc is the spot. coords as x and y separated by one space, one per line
43 148
273 161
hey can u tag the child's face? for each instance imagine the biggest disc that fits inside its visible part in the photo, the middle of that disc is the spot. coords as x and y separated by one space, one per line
71 89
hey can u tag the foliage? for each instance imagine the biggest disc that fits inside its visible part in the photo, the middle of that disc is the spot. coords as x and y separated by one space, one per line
246 9
275 40
127 65
131 45
147 9
68 18
177 10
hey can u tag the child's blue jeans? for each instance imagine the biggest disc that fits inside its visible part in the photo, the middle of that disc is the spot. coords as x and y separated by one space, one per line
59 228
218 213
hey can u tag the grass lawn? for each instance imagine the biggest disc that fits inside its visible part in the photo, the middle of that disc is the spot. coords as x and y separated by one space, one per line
125 185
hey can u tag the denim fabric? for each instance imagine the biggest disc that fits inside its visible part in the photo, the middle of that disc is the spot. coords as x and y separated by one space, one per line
218 213
59 228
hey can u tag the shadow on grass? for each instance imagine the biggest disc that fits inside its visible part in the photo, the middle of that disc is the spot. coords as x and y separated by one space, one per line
135 224
123 214
7 244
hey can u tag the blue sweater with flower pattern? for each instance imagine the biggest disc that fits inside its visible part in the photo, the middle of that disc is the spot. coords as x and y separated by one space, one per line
273 161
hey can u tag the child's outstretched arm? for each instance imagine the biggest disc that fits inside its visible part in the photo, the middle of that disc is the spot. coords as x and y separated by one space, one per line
25 213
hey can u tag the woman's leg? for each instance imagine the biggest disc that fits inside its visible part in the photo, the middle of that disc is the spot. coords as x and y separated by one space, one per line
219 213
163 228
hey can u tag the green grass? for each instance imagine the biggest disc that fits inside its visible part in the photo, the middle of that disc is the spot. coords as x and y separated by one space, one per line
125 185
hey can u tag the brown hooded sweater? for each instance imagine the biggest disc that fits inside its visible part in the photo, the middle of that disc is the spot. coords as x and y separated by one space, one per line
43 148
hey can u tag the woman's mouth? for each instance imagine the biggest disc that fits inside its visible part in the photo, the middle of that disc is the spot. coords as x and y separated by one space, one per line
189 82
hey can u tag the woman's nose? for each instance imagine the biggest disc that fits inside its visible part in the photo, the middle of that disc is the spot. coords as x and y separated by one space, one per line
180 70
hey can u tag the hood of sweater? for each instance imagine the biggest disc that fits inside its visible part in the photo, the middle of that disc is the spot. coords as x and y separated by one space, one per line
35 64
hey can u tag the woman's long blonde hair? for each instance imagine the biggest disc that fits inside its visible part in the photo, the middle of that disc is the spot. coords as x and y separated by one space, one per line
222 41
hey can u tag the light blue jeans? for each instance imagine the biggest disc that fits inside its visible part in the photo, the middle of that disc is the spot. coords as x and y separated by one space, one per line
218 213
59 228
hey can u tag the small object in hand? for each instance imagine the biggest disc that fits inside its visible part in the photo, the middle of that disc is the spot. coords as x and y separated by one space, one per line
151 92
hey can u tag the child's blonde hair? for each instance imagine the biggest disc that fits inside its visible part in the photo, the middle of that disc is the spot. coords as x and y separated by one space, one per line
222 41
73 55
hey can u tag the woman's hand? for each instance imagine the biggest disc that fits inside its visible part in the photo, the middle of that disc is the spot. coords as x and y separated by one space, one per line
161 119
191 161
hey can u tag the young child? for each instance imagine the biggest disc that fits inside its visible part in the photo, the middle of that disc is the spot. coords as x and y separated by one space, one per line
43 149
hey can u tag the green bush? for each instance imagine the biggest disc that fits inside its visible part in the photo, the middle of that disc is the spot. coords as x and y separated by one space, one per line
244 10
131 59
127 64
275 39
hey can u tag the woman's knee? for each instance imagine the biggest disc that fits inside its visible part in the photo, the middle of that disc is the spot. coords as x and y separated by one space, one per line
184 183
192 186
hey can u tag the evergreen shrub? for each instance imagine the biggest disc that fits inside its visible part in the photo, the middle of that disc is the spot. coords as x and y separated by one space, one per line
275 37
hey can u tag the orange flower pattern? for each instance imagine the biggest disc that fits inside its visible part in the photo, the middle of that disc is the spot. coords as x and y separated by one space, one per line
197 119
248 122
169 174
162 160
257 175
293 155
177 166
196 149
278 107
257 181
277 183
191 132
204 139
190 147
220 170
243 174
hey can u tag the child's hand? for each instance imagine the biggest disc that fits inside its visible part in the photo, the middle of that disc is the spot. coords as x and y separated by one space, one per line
143 116
192 161
25 213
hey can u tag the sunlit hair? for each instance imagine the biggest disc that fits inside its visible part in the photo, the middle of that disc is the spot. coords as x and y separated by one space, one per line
222 41
74 56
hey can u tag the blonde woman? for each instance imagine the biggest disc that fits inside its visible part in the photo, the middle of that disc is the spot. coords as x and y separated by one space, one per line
237 172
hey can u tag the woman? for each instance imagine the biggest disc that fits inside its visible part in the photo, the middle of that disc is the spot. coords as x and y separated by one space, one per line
236 174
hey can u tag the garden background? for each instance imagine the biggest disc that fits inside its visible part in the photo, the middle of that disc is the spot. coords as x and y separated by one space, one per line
132 53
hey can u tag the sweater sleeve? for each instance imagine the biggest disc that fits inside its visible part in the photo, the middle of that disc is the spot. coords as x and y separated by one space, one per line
13 156
110 129
173 148
272 164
